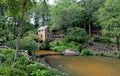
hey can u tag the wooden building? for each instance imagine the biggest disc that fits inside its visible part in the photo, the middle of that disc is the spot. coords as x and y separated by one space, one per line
44 33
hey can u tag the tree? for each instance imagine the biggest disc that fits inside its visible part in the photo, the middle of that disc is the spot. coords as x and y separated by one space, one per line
41 12
66 14
91 6
20 29
109 18
15 8
79 35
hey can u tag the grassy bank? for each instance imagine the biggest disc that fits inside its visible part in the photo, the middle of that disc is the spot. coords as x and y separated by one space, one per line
89 52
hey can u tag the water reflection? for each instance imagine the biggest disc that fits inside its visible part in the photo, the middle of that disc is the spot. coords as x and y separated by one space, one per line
86 66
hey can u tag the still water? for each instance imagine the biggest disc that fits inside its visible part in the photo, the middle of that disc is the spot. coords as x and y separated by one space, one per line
85 65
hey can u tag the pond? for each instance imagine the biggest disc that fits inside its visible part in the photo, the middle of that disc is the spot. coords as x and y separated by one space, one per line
85 65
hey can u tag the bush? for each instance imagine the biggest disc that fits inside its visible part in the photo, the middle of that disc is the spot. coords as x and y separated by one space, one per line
102 39
32 35
53 72
118 55
11 44
34 67
86 52
41 70
25 44
23 66
75 46
76 34
28 44
2 57
17 72
4 70
45 45
7 55
62 45
59 48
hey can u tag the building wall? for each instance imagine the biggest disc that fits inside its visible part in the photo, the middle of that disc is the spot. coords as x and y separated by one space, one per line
44 34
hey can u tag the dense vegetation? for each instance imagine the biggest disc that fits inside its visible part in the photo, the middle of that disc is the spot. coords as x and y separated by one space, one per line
23 66
81 22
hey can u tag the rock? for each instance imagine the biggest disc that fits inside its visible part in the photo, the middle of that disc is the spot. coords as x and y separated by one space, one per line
70 52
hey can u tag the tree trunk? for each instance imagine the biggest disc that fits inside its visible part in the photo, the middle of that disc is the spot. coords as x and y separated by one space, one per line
89 29
117 41
3 26
43 22
20 30
14 31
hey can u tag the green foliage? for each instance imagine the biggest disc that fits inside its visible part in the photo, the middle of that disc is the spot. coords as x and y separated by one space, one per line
41 11
118 55
2 57
32 35
76 34
7 55
28 27
86 52
41 70
89 52
45 45
62 45
90 19
39 73
23 66
11 44
53 72
4 70
62 15
18 72
102 39
25 44
75 46
109 16
73 40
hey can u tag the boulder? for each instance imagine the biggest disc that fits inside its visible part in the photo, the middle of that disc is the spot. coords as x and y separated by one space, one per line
70 52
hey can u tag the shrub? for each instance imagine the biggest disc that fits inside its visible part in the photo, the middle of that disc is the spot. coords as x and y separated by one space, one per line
102 39
2 57
96 53
62 45
45 45
28 44
76 34
118 55
34 67
86 52
25 44
7 55
75 46
39 72
17 72
11 44
59 46
53 72
23 66
32 35
4 70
